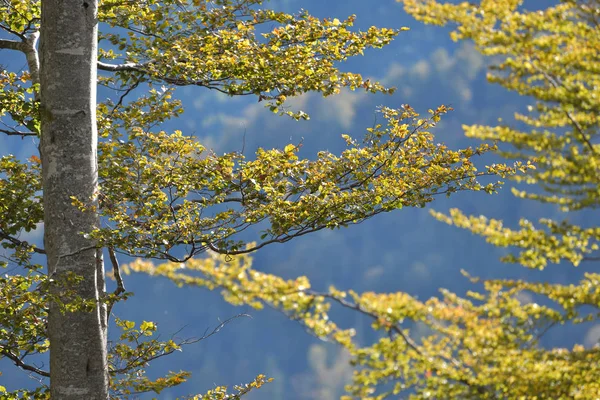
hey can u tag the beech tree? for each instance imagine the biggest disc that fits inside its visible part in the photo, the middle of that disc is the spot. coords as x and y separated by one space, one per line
109 181
68 152
487 345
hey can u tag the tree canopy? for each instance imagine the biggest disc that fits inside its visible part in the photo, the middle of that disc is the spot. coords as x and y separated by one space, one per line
164 196
489 344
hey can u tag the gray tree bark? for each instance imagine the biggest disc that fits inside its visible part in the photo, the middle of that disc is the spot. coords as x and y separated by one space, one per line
68 47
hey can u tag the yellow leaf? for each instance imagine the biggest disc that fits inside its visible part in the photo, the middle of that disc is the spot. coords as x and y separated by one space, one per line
145 326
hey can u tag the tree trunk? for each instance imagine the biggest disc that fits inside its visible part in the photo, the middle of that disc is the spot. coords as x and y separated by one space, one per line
68 45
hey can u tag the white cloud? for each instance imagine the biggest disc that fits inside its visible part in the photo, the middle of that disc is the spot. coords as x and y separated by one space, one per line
464 63
465 93
374 273
471 61
394 73
199 102
441 60
592 337
451 73
301 102
219 129
340 108
224 128
421 70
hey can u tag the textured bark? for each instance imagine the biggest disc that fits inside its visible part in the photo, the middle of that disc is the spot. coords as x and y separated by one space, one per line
78 367
33 60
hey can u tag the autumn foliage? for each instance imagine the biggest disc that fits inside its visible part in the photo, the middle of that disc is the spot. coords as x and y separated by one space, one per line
180 207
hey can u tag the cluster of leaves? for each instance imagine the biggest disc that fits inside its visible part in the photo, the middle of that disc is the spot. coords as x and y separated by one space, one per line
132 353
552 57
16 100
234 47
23 319
221 392
20 17
560 241
160 191
485 346
20 208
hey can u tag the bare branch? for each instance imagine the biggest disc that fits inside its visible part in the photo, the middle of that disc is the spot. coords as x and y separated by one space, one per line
132 67
33 58
19 363
15 132
12 44
206 334
117 273
18 242
140 360
122 97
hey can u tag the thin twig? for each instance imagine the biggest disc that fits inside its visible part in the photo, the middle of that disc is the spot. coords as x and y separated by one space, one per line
122 97
140 361
18 242
556 83
117 273
17 133
19 363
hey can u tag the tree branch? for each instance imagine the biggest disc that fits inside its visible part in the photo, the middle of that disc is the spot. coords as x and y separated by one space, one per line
122 97
140 67
15 132
398 330
33 58
143 360
18 242
556 83
117 273
13 32
12 44
19 363
132 67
